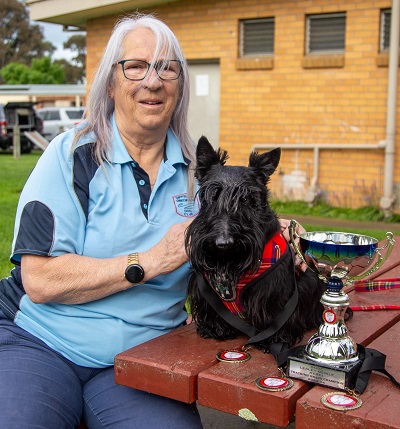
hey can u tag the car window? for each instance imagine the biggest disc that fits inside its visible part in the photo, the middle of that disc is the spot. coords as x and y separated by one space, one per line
74 114
53 115
42 114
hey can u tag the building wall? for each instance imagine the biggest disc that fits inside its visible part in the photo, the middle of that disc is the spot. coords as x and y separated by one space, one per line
287 99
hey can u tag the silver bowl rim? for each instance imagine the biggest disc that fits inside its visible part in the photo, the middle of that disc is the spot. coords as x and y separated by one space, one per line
371 240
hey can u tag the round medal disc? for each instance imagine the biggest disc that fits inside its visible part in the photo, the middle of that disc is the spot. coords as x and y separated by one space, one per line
341 401
274 384
233 356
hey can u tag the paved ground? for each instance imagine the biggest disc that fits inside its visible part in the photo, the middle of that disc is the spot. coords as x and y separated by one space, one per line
213 419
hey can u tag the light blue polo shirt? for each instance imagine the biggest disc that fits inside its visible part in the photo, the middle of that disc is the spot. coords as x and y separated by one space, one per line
71 205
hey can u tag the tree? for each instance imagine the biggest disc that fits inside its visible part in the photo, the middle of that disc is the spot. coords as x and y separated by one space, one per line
75 70
20 41
41 71
77 43
73 74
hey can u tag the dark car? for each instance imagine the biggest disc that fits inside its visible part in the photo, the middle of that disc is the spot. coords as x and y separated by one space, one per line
23 114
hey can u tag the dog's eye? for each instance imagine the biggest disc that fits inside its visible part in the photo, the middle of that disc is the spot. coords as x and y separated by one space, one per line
246 199
215 195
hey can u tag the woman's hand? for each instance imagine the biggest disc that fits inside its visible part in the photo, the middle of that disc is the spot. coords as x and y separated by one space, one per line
168 254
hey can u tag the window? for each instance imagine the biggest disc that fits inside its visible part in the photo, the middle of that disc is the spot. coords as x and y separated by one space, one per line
74 114
325 34
257 37
53 115
385 30
384 42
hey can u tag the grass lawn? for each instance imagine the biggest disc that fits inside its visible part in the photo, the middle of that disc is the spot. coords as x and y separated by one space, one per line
13 174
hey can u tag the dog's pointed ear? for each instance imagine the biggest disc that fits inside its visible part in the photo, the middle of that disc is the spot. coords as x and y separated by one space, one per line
266 163
207 156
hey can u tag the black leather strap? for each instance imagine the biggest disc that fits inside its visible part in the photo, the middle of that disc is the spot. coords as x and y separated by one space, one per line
372 360
215 302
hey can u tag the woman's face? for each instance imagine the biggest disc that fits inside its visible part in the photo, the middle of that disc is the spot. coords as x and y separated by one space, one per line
143 106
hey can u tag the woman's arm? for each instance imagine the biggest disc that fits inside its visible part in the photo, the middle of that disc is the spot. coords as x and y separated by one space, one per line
75 279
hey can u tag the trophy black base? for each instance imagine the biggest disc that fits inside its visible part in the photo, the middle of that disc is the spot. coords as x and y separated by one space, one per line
300 366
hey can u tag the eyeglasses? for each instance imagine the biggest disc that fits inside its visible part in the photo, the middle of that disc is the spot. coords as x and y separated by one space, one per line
138 69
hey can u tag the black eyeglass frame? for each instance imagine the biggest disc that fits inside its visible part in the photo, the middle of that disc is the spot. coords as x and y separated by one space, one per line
155 65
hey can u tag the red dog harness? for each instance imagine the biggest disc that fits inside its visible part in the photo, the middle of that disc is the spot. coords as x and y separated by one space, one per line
273 252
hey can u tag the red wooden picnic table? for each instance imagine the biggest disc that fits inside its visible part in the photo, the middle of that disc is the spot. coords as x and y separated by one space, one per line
182 366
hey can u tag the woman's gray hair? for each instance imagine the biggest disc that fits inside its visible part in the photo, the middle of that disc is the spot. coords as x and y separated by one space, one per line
100 106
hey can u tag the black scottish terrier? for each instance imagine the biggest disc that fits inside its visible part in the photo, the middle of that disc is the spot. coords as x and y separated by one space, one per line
244 276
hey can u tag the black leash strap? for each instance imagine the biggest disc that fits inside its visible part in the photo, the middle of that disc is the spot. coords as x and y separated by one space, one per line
278 321
372 360
215 302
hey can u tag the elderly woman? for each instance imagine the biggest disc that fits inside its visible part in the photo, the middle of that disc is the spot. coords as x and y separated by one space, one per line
99 255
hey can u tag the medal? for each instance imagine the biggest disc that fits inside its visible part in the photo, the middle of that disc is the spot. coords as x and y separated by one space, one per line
341 401
233 356
274 384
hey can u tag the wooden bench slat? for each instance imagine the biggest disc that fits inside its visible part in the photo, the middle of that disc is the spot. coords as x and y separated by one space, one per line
366 326
169 364
231 388
380 408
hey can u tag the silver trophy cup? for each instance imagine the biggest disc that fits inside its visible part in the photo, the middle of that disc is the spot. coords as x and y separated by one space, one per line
330 357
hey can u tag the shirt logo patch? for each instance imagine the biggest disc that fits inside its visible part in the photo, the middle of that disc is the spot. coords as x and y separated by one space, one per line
185 207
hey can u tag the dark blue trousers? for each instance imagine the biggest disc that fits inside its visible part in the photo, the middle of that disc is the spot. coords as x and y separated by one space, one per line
39 388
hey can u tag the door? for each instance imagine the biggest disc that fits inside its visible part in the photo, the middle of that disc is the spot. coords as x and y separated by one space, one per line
203 118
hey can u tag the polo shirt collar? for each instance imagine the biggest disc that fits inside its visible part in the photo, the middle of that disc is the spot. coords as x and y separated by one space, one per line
120 155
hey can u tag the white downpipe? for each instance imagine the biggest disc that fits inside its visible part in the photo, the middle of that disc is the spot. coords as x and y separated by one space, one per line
388 198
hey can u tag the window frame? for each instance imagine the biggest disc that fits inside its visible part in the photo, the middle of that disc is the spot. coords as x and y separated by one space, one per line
242 24
384 30
326 51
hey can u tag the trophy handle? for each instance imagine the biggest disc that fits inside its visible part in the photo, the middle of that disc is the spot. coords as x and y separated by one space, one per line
381 259
292 231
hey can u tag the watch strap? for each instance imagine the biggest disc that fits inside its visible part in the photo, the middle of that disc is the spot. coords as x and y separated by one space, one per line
133 258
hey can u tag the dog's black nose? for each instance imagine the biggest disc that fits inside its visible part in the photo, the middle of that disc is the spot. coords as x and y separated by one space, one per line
224 243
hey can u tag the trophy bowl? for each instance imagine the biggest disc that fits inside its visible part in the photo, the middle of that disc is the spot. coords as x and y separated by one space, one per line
338 254
330 356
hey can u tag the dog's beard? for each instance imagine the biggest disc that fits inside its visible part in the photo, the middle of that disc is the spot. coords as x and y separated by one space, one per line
223 268
223 282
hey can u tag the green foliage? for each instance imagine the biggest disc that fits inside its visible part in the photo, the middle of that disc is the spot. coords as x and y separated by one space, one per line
75 69
321 209
41 71
22 43
20 40
77 44
13 174
73 74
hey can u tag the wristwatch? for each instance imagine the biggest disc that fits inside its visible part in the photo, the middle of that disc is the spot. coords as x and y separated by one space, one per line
134 272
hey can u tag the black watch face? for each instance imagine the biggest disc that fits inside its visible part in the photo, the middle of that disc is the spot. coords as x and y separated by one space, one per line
134 273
